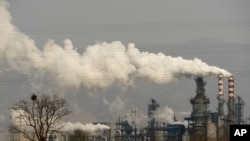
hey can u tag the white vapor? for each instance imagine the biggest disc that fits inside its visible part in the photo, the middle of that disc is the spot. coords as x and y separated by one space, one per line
115 107
89 127
166 115
67 126
16 117
100 66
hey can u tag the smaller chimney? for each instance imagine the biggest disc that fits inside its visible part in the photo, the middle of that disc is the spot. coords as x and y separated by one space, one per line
231 87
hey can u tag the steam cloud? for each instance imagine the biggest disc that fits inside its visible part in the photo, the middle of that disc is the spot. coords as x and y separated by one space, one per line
89 127
16 117
167 114
67 126
116 107
100 66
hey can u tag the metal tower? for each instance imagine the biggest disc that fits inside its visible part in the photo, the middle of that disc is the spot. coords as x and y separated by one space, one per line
200 112
152 108
239 105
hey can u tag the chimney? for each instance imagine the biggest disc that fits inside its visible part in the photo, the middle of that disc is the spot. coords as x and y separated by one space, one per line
231 87
220 85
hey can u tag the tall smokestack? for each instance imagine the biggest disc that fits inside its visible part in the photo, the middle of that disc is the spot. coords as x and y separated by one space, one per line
220 96
231 87
220 85
221 116
231 107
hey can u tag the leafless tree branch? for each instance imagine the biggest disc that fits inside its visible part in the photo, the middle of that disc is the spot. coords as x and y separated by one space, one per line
39 116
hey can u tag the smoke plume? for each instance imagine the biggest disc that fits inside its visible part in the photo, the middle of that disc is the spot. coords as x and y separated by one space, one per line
89 127
16 116
115 107
100 66
166 115
67 126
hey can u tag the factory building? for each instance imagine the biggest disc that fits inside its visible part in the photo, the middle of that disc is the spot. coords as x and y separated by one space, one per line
154 131
203 125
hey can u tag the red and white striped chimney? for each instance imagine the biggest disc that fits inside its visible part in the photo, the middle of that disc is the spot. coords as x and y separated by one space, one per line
220 85
231 87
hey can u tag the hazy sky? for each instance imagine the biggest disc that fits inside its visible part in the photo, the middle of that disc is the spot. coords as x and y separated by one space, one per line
134 21
217 32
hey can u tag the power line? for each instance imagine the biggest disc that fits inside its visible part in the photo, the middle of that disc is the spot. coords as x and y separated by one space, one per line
241 48
133 27
68 79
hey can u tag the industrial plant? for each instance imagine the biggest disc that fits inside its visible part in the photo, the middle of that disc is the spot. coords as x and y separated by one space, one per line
203 125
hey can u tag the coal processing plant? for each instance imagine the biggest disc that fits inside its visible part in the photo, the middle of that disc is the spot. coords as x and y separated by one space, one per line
202 125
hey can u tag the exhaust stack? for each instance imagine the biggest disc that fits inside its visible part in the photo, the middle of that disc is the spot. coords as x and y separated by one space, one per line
220 96
231 87
221 116
231 106
220 85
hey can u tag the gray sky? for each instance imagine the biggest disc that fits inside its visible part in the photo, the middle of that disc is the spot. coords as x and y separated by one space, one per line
218 32
169 21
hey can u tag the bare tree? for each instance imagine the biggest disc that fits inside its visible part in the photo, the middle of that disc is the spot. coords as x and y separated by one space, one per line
39 116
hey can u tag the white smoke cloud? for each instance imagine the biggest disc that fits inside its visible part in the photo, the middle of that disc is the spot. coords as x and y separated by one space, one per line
116 106
100 66
89 127
19 119
162 69
141 119
67 126
166 115
16 117
182 115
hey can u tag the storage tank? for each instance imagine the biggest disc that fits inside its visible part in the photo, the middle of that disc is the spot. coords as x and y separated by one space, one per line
214 117
175 132
186 136
159 135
